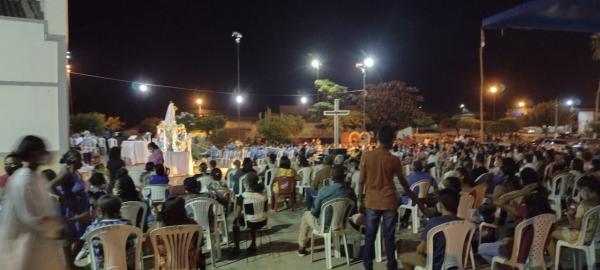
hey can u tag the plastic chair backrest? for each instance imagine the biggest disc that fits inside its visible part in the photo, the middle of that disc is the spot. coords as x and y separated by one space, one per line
592 212
541 226
434 172
575 190
132 210
457 234
287 185
242 184
258 206
340 211
479 194
487 177
177 242
230 173
113 239
465 204
157 192
559 183
201 208
305 173
423 185
261 162
269 176
112 142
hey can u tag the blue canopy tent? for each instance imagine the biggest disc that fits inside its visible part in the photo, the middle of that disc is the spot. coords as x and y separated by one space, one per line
548 15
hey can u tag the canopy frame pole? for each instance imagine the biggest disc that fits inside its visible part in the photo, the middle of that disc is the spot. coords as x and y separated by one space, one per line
481 84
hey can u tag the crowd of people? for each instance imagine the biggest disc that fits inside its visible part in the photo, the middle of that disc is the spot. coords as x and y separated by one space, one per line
48 213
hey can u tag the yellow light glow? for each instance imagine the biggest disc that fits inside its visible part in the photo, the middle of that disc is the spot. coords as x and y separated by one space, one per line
199 101
494 89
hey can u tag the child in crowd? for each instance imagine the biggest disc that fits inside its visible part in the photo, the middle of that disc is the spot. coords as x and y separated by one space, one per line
147 174
97 188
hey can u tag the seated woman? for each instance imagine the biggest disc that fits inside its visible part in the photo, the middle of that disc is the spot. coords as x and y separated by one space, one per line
589 191
534 203
127 190
417 175
173 214
156 155
254 191
160 178
285 168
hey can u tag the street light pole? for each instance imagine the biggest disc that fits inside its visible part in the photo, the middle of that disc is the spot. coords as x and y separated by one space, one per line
366 64
493 106
556 119
238 37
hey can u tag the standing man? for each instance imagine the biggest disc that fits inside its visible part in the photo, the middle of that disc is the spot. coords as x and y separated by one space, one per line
377 170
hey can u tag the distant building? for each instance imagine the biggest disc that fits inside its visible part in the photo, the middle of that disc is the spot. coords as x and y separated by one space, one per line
33 72
584 118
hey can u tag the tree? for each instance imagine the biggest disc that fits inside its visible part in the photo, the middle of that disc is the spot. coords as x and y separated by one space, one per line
93 122
279 128
468 123
393 104
187 119
209 123
328 91
219 137
510 125
114 123
424 121
450 123
149 125
349 122
543 115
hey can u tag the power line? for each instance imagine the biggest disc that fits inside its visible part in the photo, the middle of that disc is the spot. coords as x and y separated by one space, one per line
190 89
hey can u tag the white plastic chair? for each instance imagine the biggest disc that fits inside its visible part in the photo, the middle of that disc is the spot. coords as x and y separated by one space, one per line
340 210
112 142
305 181
557 192
230 173
466 208
102 145
434 172
113 239
458 234
406 170
588 247
424 186
177 242
200 211
241 184
131 210
269 176
541 226
258 215
158 193
575 189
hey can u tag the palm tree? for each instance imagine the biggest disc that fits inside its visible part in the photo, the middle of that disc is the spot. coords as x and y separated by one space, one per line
595 42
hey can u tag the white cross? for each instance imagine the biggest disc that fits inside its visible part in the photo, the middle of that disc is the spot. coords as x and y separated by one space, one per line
336 120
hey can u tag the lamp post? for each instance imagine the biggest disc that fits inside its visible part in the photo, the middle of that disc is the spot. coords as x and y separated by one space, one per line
303 100
364 66
316 64
238 99
493 90
199 102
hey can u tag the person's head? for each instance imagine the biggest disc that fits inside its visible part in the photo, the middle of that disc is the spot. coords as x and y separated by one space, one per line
285 163
339 159
463 174
327 161
173 212
114 153
152 147
12 163
160 170
587 156
216 174
191 185
452 182
32 149
528 158
212 163
108 207
508 167
203 167
252 181
127 187
577 165
417 166
303 162
385 136
528 176
595 165
149 166
448 200
353 165
338 173
247 165
272 158
537 202
49 174
121 172
72 158
97 179
589 188
236 164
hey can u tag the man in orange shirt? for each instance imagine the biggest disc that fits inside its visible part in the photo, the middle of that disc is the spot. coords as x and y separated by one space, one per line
377 170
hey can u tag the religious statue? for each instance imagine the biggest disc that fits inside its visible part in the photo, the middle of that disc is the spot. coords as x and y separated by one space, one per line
172 137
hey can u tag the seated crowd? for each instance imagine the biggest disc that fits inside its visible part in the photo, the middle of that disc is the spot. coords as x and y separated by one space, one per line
496 187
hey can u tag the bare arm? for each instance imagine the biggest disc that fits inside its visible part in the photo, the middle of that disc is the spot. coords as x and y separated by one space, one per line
422 247
411 194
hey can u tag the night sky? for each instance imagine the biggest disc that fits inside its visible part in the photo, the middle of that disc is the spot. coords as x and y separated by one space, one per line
432 45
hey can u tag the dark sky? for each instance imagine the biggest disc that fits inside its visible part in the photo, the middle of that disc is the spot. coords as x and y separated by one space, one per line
432 45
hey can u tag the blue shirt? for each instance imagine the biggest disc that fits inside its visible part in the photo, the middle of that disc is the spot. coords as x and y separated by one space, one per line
159 180
327 193
415 177
439 242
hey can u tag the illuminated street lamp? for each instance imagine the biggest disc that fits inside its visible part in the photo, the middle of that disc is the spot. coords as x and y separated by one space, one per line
364 66
462 106
493 90
238 99
303 100
521 104
143 87
316 64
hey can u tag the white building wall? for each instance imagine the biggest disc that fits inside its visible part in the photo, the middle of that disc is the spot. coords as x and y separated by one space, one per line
583 119
33 79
